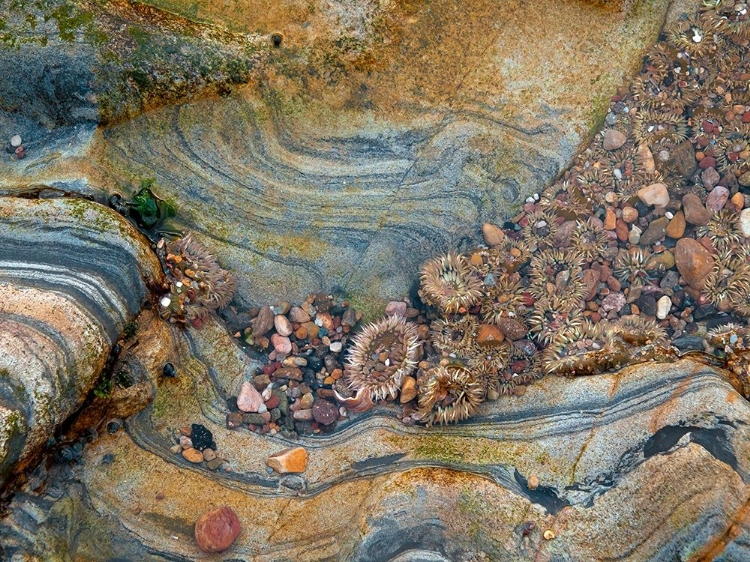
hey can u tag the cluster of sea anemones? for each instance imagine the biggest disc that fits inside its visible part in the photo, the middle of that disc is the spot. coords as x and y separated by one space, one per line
197 283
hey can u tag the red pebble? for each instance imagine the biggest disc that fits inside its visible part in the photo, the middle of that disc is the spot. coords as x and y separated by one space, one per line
216 530
707 162
273 402
746 117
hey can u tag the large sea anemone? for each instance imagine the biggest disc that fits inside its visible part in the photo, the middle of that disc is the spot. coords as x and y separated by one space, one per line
449 394
448 284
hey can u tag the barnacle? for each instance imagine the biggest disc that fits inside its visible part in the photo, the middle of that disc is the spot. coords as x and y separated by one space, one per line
594 183
382 354
723 230
733 151
636 330
557 266
448 284
501 300
449 394
589 240
654 127
565 200
198 284
694 35
583 349
630 267
728 280
730 335
455 335
550 315
540 229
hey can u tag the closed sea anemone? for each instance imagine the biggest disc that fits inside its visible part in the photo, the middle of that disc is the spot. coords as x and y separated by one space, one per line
653 127
630 267
550 316
733 336
594 183
198 284
448 284
734 20
382 354
456 335
449 394
636 330
501 300
583 349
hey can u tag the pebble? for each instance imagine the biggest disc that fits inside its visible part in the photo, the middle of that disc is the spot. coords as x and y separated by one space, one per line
492 234
591 284
336 347
303 415
663 261
408 390
209 455
533 482
717 198
634 237
263 322
283 325
396 308
249 399
621 230
306 402
629 214
676 227
512 328
655 194
193 455
296 314
281 344
663 306
738 200
613 139
744 179
707 162
215 463
744 223
613 301
15 141
216 530
694 262
710 177
695 212
489 335
325 412
289 460
646 158
610 219
655 231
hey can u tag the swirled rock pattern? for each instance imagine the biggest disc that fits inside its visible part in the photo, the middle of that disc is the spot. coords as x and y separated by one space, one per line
648 464
72 275
375 136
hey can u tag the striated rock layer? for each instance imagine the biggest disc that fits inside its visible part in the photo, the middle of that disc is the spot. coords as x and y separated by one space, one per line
648 464
72 275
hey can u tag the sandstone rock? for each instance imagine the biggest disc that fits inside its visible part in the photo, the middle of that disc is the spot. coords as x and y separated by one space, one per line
610 219
289 460
216 530
489 335
408 390
693 262
717 198
613 139
493 236
249 399
655 194
676 227
695 212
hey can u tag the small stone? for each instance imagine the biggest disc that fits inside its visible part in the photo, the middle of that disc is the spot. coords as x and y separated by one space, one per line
533 482
695 212
215 463
492 234
549 534
590 283
630 215
634 236
288 460
676 227
610 219
489 335
710 178
234 420
325 412
281 344
613 139
193 455
621 230
694 262
744 179
15 141
312 329
306 402
655 194
263 322
216 530
717 198
303 415
283 325
336 347
408 390
745 223
613 301
738 200
707 162
176 448
209 455
655 231
646 158
296 314
661 261
349 318
249 399
512 328
395 308
663 306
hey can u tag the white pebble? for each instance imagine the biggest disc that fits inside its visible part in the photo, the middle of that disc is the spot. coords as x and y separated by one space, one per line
529 199
15 141
335 347
663 306
669 215
262 409
745 222
165 302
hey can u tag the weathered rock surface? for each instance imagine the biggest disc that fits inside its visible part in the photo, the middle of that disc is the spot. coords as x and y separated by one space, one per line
639 465
72 275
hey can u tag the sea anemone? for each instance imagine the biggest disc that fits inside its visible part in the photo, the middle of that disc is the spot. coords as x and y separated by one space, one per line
734 20
501 300
628 172
565 200
198 284
734 151
646 88
630 267
561 268
733 336
447 283
589 240
728 281
382 354
540 229
693 35
449 394
508 256
583 349
655 127
723 229
594 183
490 359
552 315
456 335
636 330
